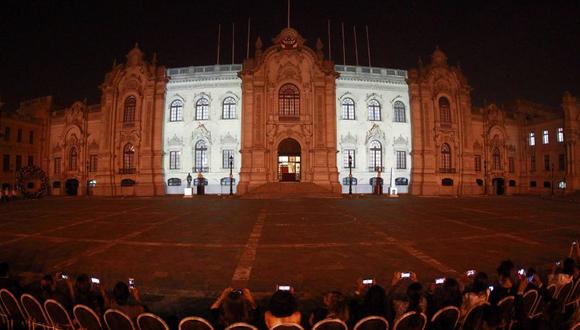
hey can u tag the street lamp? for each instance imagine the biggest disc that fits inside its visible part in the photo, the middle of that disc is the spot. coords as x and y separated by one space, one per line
231 175
350 174
552 179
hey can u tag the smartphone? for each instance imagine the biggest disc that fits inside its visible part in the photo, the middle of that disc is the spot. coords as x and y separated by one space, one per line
574 242
558 263
522 272
238 291
530 279
368 281
283 287
470 272
490 288
440 280
131 282
63 276
405 275
95 280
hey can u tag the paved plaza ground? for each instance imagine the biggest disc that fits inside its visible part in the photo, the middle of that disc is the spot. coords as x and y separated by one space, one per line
179 249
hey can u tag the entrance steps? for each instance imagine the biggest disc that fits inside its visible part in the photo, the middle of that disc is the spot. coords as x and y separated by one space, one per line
283 190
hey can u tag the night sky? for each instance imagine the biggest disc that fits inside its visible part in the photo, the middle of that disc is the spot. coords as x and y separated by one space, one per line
506 49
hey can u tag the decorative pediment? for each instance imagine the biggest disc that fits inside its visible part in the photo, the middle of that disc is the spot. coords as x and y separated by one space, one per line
477 146
228 139
57 149
201 132
401 141
348 139
93 146
175 141
132 136
375 133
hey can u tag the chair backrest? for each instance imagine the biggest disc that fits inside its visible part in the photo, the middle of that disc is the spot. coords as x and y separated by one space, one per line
58 315
330 324
372 323
507 309
287 326
575 294
576 326
411 321
117 320
150 321
34 311
194 323
529 301
11 306
564 292
87 318
445 318
241 326
552 290
474 317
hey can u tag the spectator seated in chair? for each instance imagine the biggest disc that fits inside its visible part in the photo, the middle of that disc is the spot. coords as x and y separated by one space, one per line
89 294
7 281
121 300
506 283
447 294
477 294
50 290
335 307
283 308
234 306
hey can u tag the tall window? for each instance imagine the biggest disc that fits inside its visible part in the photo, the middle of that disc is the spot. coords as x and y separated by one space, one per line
176 111
561 162
6 133
93 159
445 157
545 137
200 157
6 163
547 162
57 166
478 163
229 108
374 110
345 154
31 137
348 109
512 164
401 159
532 163
532 137
496 158
289 101
376 156
174 160
226 158
128 156
30 160
444 111
18 162
399 108
560 136
129 109
202 109
19 135
72 159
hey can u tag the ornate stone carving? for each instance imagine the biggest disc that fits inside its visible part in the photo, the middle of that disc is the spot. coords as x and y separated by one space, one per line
201 132
401 141
228 139
175 141
375 133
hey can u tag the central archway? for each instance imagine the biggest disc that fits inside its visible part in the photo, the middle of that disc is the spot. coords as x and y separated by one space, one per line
289 160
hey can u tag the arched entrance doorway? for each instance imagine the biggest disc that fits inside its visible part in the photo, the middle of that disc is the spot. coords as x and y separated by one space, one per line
498 186
289 160
71 187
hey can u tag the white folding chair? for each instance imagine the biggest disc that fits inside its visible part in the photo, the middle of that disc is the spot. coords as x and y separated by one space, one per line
407 321
372 323
446 318
195 323
150 321
330 324
117 320
241 326
87 318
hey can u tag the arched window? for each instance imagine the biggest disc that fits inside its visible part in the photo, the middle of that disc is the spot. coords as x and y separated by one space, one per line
229 108
202 109
289 101
375 156
200 157
399 108
444 111
129 109
374 110
176 111
348 108
445 158
496 156
128 157
72 159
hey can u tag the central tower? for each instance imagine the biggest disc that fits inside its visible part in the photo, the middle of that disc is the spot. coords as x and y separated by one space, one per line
288 115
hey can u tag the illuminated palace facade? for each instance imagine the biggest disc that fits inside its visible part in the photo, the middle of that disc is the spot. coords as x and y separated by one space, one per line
288 120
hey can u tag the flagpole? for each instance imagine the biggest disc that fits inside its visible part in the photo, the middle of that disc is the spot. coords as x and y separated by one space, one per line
218 45
368 45
343 47
329 48
355 45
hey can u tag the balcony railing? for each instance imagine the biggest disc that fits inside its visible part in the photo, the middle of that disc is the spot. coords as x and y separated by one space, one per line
127 170
200 169
447 170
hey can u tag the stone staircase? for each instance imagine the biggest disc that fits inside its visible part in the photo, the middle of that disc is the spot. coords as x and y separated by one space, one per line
283 190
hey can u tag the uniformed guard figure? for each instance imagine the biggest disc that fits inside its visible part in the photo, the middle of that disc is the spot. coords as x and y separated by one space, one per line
378 188
189 180
200 184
